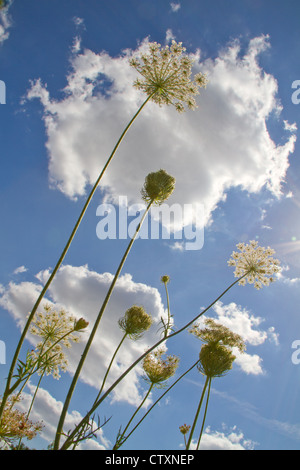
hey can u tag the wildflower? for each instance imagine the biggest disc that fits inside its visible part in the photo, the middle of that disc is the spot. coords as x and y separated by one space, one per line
184 429
165 279
158 187
15 425
255 263
215 360
55 329
215 333
216 357
135 322
166 73
159 370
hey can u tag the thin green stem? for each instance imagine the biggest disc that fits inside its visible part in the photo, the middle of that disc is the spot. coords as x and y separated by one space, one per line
109 367
204 417
120 438
158 400
197 414
93 332
61 258
122 376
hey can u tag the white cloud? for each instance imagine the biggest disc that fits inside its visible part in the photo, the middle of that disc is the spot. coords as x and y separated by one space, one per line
81 292
5 24
216 440
47 410
20 269
285 279
224 143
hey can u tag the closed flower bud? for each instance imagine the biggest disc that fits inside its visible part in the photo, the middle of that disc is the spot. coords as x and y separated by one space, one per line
159 370
80 324
215 360
165 279
135 322
158 187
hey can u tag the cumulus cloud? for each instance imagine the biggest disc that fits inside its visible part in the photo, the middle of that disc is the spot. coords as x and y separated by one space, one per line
223 440
225 143
175 6
81 292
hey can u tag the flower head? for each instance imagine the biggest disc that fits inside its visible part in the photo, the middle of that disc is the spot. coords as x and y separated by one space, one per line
215 333
158 187
166 73
159 370
15 425
135 322
184 429
165 279
255 263
216 357
215 360
56 329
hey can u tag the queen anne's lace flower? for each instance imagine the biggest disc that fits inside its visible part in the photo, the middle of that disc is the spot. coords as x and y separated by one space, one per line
14 424
159 370
135 322
214 333
56 329
255 263
158 187
166 73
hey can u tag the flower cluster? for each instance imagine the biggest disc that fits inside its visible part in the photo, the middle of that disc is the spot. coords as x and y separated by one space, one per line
216 357
55 329
159 370
15 425
215 333
158 187
184 429
166 73
135 322
255 264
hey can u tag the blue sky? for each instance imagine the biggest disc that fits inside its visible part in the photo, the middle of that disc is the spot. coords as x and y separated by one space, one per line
69 95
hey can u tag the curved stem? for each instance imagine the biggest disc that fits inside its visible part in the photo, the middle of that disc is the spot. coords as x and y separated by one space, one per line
93 332
117 446
197 414
111 388
64 252
204 417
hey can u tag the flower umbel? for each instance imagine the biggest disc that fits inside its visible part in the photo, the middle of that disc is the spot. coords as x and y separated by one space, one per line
135 322
255 263
14 424
56 329
158 187
159 370
215 333
166 73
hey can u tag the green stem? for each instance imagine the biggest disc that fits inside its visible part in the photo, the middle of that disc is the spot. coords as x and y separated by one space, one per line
158 400
109 367
204 417
117 446
93 332
111 388
32 401
64 252
197 414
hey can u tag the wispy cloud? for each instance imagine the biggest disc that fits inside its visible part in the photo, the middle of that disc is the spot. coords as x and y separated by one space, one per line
175 6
